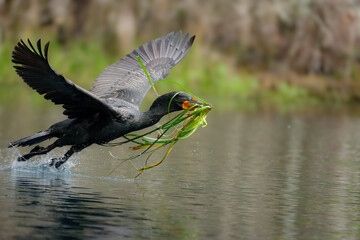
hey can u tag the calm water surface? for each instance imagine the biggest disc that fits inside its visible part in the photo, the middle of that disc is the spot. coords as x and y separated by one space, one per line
244 176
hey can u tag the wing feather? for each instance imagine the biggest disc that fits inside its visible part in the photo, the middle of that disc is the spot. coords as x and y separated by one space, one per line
33 67
126 79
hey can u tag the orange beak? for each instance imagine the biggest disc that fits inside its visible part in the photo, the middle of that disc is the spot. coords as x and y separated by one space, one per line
186 104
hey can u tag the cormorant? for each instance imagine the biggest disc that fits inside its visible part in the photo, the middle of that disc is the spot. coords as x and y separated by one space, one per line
111 108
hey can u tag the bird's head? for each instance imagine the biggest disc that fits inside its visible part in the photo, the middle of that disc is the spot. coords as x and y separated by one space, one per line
175 101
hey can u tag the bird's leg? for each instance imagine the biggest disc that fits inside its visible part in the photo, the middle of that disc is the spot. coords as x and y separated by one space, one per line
36 151
74 149
37 148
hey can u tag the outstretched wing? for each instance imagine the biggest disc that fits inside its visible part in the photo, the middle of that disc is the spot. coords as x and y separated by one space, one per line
33 67
126 78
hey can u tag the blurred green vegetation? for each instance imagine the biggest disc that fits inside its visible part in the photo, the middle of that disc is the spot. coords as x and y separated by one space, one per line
80 62
214 80
247 54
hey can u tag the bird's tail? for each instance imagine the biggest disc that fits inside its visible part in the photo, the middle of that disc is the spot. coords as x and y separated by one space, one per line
33 139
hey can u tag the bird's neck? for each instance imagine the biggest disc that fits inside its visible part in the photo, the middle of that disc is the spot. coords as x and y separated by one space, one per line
153 116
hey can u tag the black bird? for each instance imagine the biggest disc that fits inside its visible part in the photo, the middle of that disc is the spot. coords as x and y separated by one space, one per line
111 108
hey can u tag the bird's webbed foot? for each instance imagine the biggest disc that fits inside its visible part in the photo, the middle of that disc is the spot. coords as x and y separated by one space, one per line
26 157
22 158
36 151
57 162
33 152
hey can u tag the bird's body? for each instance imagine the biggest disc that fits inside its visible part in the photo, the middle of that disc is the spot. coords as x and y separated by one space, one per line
111 108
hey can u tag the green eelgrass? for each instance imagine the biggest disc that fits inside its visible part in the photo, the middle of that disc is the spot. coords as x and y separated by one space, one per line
182 125
189 121
147 74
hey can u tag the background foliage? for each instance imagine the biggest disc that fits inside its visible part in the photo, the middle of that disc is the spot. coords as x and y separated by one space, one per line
247 54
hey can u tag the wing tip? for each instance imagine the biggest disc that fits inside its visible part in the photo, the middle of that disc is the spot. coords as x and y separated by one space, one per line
23 52
192 39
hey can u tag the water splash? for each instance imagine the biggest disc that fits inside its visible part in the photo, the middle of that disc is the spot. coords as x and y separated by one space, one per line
40 167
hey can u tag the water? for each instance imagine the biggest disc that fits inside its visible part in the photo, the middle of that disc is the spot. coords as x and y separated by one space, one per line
244 176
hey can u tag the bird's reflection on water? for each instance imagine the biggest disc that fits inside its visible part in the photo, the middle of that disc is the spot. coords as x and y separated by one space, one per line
50 206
